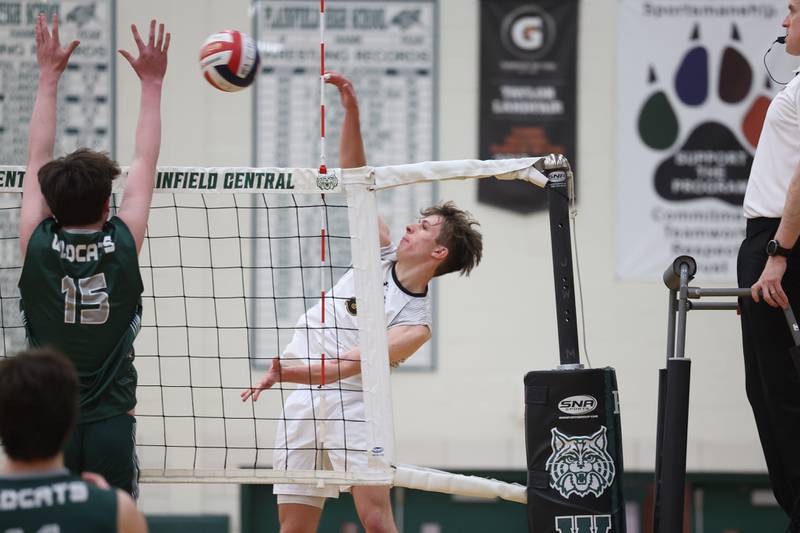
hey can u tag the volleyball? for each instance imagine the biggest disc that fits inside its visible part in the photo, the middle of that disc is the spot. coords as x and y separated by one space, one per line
229 60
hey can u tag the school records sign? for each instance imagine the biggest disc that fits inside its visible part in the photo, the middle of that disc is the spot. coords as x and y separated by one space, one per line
688 120
85 109
388 50
86 96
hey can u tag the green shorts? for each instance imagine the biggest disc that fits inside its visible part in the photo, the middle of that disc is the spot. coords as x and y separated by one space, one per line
106 447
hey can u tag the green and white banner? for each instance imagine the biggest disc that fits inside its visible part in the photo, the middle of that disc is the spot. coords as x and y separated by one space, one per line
688 120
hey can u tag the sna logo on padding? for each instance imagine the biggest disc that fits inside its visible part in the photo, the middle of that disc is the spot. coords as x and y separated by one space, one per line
577 405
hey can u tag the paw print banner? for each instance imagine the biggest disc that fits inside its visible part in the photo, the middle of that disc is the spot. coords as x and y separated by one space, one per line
689 115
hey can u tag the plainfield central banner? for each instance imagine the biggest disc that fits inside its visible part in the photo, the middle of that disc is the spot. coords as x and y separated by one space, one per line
692 93
528 65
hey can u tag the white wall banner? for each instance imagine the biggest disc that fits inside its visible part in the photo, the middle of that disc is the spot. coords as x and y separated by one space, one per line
692 93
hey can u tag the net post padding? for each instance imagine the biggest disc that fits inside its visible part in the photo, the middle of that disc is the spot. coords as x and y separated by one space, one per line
414 477
572 417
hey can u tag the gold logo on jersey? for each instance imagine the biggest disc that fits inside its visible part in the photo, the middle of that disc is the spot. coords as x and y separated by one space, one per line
352 308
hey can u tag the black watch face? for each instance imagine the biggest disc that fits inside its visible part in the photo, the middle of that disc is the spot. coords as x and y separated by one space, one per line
772 247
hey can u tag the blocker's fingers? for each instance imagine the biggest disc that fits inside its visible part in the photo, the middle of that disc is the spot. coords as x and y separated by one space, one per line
160 41
71 48
43 28
55 28
136 37
126 55
152 37
166 43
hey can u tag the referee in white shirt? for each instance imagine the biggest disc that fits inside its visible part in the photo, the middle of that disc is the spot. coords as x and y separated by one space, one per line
769 263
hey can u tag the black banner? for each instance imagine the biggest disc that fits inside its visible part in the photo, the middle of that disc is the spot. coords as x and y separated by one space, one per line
527 91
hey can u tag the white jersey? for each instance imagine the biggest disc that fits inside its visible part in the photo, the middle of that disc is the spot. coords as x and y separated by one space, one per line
340 331
777 155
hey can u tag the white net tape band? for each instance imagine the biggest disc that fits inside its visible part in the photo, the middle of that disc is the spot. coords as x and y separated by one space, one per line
276 180
415 477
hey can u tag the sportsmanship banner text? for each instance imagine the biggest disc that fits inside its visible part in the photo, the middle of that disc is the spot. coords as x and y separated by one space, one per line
688 120
528 85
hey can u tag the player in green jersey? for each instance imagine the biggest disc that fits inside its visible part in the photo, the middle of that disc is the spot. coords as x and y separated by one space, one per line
80 283
38 408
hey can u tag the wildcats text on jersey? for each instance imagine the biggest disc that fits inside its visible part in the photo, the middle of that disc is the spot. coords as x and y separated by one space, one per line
43 496
83 253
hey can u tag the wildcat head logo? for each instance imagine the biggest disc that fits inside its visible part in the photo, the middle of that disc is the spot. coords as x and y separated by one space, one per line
351 306
581 464
327 182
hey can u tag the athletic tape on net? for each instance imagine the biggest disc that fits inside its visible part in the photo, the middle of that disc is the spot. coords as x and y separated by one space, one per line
414 477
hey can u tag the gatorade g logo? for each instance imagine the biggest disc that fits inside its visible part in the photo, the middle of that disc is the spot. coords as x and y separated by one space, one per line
528 32
599 523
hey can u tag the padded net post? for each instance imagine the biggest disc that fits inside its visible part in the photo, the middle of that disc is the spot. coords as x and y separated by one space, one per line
574 447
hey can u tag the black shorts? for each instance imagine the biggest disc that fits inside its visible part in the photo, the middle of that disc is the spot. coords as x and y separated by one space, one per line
106 447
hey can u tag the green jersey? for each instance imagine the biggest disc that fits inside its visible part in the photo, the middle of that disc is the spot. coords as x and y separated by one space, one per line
82 295
55 501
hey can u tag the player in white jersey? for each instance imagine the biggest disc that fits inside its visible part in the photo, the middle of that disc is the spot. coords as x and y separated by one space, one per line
444 240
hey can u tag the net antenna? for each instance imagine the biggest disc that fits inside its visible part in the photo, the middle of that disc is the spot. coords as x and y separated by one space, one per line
218 301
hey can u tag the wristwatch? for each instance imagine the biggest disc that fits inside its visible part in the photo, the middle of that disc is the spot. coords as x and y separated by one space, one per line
775 248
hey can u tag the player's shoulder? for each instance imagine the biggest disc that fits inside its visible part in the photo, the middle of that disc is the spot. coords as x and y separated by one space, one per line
120 232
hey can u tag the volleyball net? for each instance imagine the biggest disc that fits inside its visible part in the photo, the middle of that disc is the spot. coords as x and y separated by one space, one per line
232 258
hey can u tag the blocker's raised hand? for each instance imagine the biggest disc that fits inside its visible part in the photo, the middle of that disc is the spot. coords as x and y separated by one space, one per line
49 53
151 65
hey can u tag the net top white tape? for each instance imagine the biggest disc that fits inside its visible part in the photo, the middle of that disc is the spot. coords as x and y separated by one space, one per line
308 180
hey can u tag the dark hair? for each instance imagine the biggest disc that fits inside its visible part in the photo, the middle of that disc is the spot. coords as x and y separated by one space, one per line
77 186
464 243
38 404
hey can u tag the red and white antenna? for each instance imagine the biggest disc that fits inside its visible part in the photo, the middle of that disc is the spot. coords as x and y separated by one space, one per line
323 170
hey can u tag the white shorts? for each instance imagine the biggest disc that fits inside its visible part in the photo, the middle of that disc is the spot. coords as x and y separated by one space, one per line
322 429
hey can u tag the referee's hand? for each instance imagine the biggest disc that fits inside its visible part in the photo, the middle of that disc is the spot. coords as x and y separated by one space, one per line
769 286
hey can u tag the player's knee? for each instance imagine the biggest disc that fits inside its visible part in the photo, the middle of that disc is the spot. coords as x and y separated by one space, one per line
377 520
296 526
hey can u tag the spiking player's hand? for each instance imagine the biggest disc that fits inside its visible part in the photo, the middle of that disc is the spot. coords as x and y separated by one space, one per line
272 377
346 89
51 57
151 65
